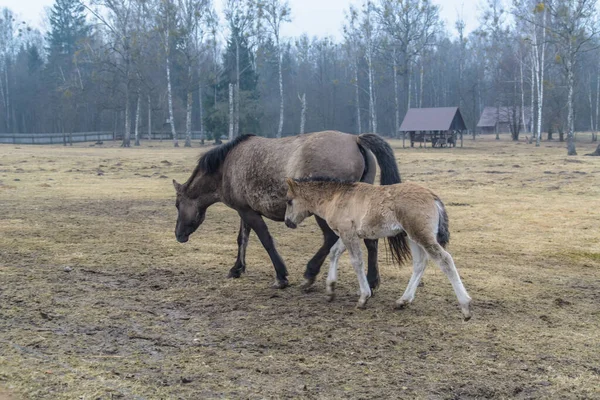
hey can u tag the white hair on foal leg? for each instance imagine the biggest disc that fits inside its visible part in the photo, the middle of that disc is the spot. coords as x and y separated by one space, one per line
356 258
334 258
419 263
446 264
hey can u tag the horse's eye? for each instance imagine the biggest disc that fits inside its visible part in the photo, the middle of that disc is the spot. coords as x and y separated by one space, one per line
289 202
177 204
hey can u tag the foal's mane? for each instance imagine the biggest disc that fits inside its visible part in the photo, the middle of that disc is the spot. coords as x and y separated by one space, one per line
211 161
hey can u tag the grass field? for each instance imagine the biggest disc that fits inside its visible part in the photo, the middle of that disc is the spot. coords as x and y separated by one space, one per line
99 301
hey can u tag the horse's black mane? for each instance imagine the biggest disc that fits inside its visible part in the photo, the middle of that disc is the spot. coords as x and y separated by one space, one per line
325 179
211 161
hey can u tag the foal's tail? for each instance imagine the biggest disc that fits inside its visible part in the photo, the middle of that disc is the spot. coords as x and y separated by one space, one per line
443 235
389 175
385 157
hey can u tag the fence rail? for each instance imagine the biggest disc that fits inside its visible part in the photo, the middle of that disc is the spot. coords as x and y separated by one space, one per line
79 137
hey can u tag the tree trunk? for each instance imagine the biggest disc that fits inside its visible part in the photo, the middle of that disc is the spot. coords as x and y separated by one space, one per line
422 76
303 113
170 101
201 114
127 134
7 98
149 118
570 122
137 120
540 82
188 114
357 98
522 87
236 121
372 110
595 132
281 107
396 99
497 127
231 116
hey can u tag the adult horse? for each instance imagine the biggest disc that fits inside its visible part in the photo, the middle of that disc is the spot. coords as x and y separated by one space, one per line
248 174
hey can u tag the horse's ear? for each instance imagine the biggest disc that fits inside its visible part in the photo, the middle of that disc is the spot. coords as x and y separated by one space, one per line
291 184
176 185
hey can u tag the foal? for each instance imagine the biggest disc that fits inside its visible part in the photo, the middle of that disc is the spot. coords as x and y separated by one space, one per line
358 211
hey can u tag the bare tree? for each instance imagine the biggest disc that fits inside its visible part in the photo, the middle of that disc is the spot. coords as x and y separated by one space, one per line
274 13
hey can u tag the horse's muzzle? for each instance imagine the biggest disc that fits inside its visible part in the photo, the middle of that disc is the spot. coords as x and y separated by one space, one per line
182 238
290 224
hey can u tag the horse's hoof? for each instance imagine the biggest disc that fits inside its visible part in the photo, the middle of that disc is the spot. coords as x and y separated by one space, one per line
330 297
374 285
280 284
307 284
330 291
421 284
401 304
236 272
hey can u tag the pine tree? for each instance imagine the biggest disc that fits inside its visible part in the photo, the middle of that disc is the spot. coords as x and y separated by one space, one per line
68 27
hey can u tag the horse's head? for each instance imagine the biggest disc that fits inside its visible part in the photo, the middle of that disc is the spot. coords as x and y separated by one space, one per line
190 213
297 209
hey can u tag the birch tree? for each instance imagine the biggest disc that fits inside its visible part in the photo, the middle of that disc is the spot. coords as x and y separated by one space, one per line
117 16
168 26
352 36
412 25
368 27
274 13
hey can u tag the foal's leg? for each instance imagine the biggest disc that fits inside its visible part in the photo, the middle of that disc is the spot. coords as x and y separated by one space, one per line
353 246
419 263
446 264
255 221
240 263
334 258
314 265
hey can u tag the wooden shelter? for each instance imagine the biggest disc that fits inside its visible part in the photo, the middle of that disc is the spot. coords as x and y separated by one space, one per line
502 119
440 126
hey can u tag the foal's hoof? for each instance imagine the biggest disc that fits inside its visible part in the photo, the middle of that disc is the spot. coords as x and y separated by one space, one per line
401 304
331 292
466 310
280 284
362 303
307 284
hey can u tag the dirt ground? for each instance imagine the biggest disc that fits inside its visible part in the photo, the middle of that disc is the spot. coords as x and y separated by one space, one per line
99 301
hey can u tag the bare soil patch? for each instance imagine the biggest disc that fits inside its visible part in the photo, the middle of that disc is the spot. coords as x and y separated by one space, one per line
98 300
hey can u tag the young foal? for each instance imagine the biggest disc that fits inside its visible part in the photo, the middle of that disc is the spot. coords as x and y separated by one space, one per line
358 211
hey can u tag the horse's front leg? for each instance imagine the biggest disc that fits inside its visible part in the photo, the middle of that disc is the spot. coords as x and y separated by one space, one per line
242 240
255 221
314 265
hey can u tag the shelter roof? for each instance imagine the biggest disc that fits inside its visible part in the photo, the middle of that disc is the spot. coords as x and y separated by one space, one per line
433 119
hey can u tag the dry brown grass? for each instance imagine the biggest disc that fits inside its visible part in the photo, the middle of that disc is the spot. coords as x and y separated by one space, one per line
98 300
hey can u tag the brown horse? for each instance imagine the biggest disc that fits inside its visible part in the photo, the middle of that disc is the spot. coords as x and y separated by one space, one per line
357 211
248 174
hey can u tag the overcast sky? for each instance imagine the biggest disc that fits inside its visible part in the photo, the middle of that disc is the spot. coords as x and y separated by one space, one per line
315 17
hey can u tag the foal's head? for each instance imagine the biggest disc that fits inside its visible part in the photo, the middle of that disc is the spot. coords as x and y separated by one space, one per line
190 213
297 209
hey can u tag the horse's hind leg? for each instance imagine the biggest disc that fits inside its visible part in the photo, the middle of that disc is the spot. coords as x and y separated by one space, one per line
334 258
446 264
372 267
419 263
314 265
255 221
240 263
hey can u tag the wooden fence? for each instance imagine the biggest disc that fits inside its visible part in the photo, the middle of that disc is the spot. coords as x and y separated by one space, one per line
79 137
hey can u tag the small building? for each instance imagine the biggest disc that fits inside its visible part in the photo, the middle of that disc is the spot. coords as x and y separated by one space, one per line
504 119
439 126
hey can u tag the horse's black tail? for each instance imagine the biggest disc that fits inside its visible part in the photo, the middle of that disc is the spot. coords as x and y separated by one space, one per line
443 235
399 248
385 157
